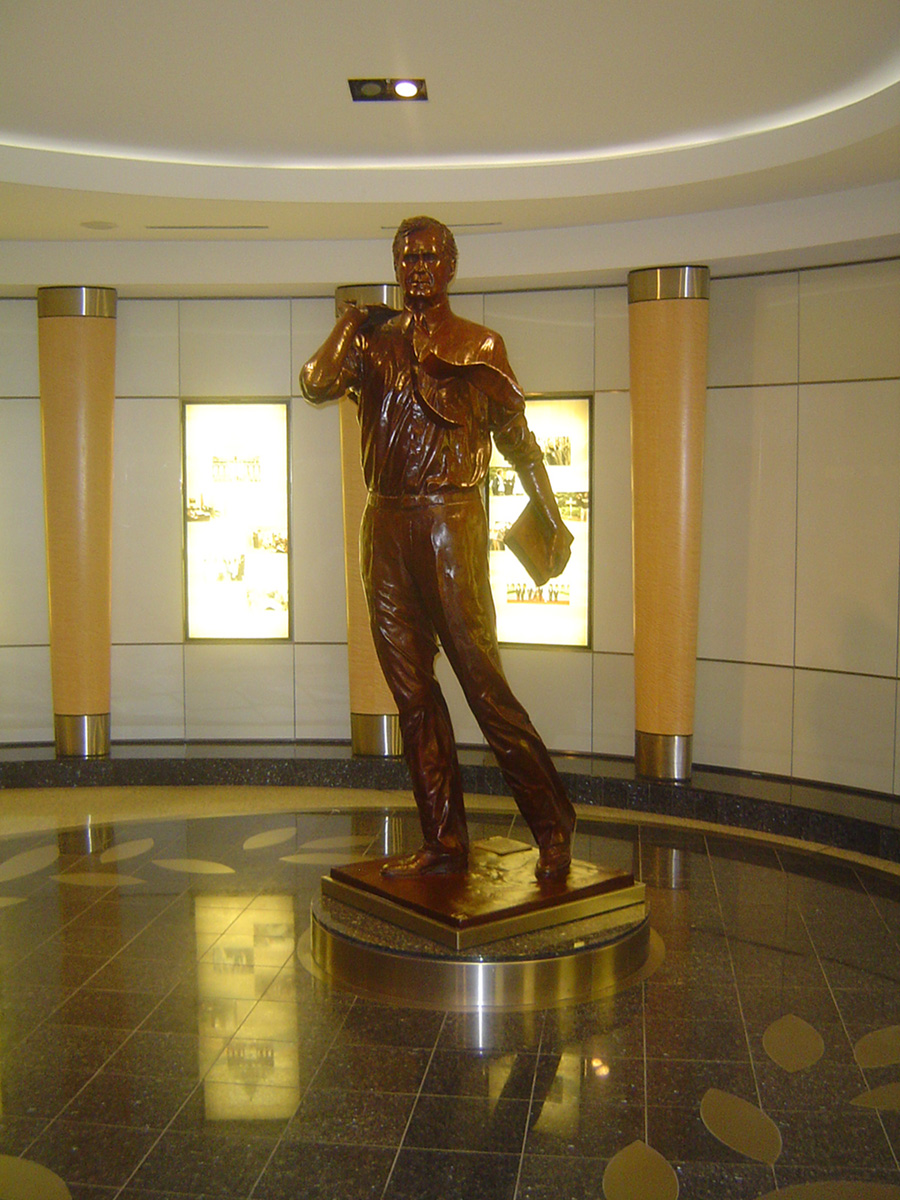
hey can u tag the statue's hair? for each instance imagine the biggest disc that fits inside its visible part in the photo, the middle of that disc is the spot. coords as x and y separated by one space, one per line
413 225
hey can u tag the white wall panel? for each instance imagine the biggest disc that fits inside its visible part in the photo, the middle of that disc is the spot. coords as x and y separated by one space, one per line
749 525
613 608
613 704
612 371
147 603
844 729
18 348
555 686
235 347
147 348
23 574
26 699
317 524
322 693
147 693
850 322
743 717
239 691
848 527
549 337
753 330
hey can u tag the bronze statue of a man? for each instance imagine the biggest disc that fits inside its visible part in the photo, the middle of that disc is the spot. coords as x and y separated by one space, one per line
431 389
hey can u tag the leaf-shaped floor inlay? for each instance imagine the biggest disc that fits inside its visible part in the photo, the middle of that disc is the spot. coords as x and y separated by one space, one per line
24 1180
880 1048
28 862
836 1190
9 901
193 866
639 1173
741 1126
97 879
352 841
886 1097
127 850
271 837
792 1043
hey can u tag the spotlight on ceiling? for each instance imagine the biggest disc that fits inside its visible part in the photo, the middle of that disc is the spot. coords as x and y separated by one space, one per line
387 89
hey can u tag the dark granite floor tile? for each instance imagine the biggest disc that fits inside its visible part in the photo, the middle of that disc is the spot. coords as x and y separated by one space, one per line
598 1081
381 1025
452 1175
761 1005
75 1048
181 1011
85 1191
492 1030
722 1181
136 1101
467 1123
863 1010
481 1073
568 1126
839 1136
39 1095
94 1007
204 1162
691 1001
126 973
43 969
373 1069
679 1135
85 1152
760 965
546 1177
161 1055
607 1036
17 1133
361 1118
683 1084
825 1085
670 1036
325 1172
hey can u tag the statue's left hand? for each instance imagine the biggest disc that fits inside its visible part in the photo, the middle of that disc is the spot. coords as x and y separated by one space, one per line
560 549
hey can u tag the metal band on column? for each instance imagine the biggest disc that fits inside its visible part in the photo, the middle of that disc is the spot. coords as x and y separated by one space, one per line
668 323
77 357
374 723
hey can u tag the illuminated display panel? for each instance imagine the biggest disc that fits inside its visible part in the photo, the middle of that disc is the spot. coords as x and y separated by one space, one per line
236 519
557 613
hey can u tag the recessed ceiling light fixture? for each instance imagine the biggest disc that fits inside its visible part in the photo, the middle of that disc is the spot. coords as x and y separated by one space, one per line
387 89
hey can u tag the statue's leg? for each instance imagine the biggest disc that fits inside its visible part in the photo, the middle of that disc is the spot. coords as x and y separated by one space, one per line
406 646
462 609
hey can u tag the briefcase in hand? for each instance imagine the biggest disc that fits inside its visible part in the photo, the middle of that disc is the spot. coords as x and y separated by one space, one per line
529 537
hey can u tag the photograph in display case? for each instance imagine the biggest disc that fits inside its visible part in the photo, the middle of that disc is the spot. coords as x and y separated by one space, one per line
555 613
237 572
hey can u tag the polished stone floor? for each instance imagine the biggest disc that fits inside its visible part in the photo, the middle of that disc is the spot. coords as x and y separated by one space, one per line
162 1039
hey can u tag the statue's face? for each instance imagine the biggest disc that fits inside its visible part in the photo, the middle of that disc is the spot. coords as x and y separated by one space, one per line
424 268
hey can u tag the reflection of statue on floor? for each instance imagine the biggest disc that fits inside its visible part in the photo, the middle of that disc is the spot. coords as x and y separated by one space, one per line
431 389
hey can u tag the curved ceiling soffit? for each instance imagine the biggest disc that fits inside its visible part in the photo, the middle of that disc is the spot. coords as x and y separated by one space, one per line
830 124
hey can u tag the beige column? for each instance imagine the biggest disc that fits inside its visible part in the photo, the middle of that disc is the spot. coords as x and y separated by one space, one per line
374 724
668 321
77 358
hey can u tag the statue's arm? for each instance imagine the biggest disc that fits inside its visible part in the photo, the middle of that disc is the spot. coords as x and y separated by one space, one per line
328 374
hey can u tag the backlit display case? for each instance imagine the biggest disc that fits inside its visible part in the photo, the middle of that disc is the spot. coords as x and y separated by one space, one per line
236 505
556 614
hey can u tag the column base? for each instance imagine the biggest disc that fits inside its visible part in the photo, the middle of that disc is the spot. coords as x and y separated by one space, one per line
376 735
663 755
82 736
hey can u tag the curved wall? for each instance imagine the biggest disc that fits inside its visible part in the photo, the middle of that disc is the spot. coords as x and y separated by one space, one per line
800 611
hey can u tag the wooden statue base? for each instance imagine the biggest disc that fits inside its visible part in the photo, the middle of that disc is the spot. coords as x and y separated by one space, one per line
497 898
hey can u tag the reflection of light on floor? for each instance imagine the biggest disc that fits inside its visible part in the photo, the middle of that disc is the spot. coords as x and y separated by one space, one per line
248 1048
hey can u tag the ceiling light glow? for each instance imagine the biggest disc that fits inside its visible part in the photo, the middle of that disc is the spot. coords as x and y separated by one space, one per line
406 88
387 89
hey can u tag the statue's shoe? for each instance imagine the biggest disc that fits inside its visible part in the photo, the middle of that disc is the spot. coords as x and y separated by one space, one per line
427 861
554 861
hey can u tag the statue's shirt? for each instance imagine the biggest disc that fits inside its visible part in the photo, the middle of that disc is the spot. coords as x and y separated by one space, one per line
429 401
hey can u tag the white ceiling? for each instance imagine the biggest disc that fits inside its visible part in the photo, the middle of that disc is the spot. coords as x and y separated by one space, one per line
563 140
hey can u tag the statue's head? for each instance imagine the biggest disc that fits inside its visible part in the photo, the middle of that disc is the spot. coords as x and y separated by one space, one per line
424 257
